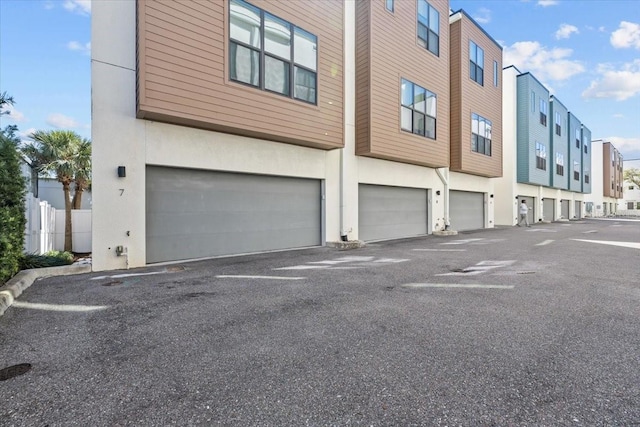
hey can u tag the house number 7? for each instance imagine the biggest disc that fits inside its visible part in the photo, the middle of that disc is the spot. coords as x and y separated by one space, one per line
121 191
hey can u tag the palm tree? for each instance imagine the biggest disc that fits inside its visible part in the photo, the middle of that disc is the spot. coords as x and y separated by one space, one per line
63 154
82 177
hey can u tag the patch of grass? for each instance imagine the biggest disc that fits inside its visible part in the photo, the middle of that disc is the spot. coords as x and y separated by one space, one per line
49 259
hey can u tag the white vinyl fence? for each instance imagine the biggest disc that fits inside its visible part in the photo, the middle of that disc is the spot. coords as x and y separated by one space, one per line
45 228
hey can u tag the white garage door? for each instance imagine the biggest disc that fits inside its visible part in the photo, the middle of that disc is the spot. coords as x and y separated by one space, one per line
387 212
578 209
466 210
195 213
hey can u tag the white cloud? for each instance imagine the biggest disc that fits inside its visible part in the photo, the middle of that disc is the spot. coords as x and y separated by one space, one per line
627 35
617 84
625 145
565 31
483 16
13 114
77 46
545 64
48 5
26 133
61 121
545 3
82 7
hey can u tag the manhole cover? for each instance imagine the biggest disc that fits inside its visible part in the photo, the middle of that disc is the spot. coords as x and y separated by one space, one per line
14 371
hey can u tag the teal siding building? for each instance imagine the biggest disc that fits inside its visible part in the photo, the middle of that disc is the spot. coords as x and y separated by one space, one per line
559 150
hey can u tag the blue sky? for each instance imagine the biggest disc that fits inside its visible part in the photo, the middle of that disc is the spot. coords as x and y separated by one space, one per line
587 52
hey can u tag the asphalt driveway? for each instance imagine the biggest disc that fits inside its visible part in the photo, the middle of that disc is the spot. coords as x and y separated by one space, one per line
512 326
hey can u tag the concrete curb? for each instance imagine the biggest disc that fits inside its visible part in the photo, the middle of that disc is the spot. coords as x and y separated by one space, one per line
25 278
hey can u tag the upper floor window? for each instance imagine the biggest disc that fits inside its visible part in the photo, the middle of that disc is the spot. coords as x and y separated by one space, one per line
586 149
271 54
428 27
577 138
389 5
560 164
476 63
576 170
543 112
541 156
586 177
558 124
480 134
495 73
418 110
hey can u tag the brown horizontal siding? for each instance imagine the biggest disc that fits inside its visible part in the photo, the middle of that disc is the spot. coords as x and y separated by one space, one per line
393 54
183 74
363 55
470 97
454 83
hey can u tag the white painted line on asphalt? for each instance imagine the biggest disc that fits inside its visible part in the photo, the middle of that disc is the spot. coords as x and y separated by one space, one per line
542 230
303 267
119 276
546 242
456 285
590 231
633 245
481 267
391 260
460 242
440 250
59 307
238 276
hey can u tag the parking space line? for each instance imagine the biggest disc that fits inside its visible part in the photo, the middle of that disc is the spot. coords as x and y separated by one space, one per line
59 307
546 242
456 285
440 250
238 276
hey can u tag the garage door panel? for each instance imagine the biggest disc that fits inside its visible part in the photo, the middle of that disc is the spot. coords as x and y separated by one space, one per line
387 212
194 214
466 210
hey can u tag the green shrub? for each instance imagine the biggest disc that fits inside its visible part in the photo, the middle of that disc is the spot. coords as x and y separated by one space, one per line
12 215
49 259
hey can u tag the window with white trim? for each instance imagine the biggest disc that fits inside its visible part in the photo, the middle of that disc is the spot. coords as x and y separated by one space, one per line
560 164
476 63
541 156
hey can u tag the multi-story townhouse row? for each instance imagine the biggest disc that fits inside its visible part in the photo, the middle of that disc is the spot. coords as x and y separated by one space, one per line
547 159
232 126
608 174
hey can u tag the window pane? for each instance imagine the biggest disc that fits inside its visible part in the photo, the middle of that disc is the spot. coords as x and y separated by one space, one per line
431 128
419 103
244 64
305 87
431 104
495 73
423 34
277 37
434 20
487 147
487 133
389 4
276 75
480 76
423 11
472 70
482 128
244 23
406 119
480 58
434 42
474 142
407 93
474 124
481 145
472 52
305 47
418 123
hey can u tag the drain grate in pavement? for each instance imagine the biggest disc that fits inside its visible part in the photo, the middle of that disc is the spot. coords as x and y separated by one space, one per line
14 371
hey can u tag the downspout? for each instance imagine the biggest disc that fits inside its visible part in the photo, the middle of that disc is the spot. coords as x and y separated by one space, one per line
445 182
343 233
349 114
